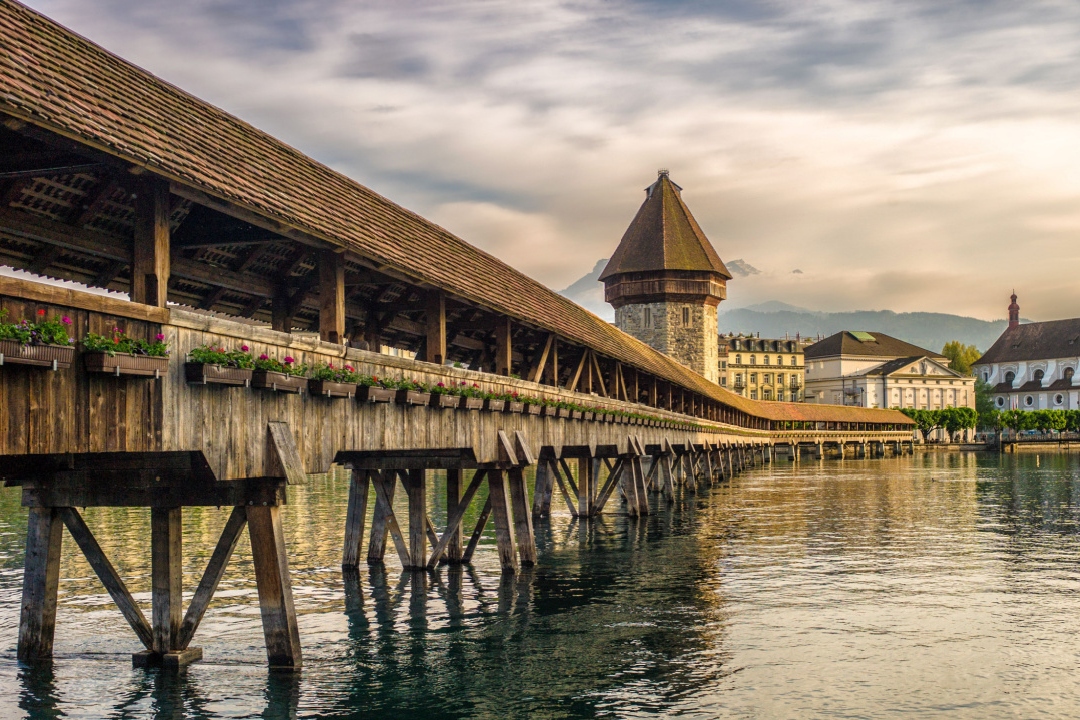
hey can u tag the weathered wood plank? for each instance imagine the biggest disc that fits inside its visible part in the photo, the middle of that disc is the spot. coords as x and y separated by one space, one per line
355 517
417 490
166 560
455 543
519 497
504 525
41 576
271 563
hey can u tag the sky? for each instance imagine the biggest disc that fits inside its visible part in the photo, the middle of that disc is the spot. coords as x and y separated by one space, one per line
912 156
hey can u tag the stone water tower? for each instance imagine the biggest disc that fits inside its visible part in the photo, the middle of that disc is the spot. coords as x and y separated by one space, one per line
665 280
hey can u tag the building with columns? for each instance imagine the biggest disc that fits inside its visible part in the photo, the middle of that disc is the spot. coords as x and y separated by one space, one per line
876 370
1032 366
665 281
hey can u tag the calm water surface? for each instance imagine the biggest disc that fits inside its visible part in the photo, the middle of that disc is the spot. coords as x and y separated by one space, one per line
940 585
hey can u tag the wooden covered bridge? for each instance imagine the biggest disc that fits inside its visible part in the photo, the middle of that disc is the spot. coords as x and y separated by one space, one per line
222 236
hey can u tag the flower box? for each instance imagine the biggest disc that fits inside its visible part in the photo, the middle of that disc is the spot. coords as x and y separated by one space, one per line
443 400
515 407
549 411
495 405
57 357
124 364
575 414
331 389
205 374
471 403
412 397
563 412
587 415
278 381
533 408
375 394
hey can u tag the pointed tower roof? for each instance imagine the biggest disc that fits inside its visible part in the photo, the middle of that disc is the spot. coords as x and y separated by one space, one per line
664 236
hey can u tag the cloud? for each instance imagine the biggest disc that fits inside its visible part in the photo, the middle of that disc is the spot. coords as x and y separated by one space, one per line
872 145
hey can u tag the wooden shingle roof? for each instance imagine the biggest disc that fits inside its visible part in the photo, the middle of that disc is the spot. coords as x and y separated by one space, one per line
57 80
1035 341
664 236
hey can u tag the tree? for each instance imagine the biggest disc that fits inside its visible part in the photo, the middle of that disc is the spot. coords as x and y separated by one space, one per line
984 398
1017 420
957 419
961 356
1046 420
926 420
1072 420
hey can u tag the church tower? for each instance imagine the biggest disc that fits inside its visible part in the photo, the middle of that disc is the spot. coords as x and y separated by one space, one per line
1014 312
665 280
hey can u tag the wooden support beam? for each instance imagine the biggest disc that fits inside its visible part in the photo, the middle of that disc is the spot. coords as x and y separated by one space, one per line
555 363
166 561
599 374
331 296
284 456
93 202
215 570
504 526
567 497
435 320
503 350
355 516
108 273
44 258
41 577
150 249
455 546
417 490
107 574
519 497
545 485
271 563
572 385
214 296
454 516
385 521
478 531
536 370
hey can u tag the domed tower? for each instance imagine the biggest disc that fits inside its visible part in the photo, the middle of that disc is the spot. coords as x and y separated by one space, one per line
1014 312
665 280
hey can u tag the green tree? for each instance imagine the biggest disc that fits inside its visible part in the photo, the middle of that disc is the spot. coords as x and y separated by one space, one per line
1072 420
1047 420
961 356
926 420
1017 420
958 419
984 399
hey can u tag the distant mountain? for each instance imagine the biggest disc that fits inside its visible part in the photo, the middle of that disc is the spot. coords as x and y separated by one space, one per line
927 330
776 306
742 268
588 292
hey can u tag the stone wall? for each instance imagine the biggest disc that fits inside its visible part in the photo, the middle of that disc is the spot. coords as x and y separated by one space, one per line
660 325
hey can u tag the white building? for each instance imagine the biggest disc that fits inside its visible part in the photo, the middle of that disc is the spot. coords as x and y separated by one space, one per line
1033 366
876 370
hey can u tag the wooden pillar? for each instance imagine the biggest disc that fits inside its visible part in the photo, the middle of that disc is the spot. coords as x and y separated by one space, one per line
280 310
555 362
545 486
380 521
504 524
355 517
417 520
150 248
435 316
331 296
41 576
585 480
166 563
456 547
504 361
275 587
519 496
639 480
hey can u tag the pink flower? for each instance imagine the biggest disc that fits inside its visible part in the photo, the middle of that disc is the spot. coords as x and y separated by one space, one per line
66 320
264 356
159 337
349 368
116 329
244 348
288 360
330 365
441 385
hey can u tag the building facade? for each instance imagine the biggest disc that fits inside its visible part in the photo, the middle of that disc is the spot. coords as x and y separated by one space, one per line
1033 366
875 370
665 281
763 369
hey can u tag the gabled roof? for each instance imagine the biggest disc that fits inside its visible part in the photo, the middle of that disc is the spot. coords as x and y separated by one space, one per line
1035 341
897 366
881 345
664 236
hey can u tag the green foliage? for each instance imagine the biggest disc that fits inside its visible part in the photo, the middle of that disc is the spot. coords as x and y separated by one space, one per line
1017 420
984 399
328 373
212 355
961 356
992 420
1072 420
1047 420
42 332
121 342
957 419
287 365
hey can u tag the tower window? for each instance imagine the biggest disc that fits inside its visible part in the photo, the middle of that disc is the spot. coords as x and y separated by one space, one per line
648 317
686 317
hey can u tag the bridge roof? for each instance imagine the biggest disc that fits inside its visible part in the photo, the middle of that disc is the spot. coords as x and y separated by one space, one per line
63 83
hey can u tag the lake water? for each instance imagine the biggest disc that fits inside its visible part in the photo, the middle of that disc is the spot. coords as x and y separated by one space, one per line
936 585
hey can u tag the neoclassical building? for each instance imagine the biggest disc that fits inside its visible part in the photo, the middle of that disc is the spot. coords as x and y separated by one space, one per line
872 369
1033 366
665 281
762 369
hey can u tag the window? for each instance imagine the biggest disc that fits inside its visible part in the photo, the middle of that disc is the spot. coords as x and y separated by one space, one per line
767 379
753 360
753 394
1028 400
686 317
648 317
1009 377
779 378
792 359
723 364
780 395
766 394
765 360
738 359
1068 374
753 378
779 359
723 381
1000 402
1037 376
1058 399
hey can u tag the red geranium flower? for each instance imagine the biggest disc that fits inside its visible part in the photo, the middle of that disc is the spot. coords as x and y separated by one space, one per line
41 311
